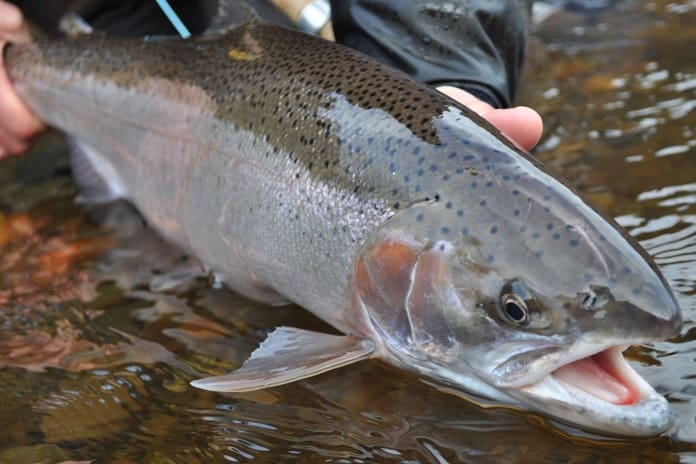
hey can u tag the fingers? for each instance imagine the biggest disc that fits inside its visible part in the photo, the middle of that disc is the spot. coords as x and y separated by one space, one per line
521 124
17 124
13 28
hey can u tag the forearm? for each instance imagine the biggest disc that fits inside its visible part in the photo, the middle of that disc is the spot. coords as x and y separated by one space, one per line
475 45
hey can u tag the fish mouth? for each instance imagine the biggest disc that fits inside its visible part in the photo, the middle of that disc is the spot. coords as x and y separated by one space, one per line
606 376
600 392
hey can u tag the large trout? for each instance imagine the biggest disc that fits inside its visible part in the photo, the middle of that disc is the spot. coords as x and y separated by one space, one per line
301 171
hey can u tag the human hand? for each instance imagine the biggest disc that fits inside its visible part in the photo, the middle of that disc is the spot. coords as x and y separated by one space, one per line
17 124
520 124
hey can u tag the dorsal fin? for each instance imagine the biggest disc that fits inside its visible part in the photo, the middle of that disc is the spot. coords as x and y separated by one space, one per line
288 355
229 15
73 25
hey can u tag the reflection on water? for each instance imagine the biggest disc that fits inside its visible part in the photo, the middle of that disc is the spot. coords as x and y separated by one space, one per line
96 365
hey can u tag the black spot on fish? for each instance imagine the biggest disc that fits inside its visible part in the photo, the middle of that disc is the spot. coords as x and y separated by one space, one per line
460 213
448 205
494 230
556 236
420 217
445 230
465 231
573 242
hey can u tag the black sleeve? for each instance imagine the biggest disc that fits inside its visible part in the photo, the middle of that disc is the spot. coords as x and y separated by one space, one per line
120 17
135 17
477 45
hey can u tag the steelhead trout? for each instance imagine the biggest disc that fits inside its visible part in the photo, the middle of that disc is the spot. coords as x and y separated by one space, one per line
301 171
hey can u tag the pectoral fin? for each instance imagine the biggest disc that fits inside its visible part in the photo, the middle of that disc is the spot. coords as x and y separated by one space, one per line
288 355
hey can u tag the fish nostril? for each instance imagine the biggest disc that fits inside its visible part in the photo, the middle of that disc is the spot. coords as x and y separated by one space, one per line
589 301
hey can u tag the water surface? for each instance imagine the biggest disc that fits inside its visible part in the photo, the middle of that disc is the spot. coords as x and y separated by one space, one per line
95 365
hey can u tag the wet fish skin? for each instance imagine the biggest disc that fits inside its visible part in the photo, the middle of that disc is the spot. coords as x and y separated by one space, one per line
302 171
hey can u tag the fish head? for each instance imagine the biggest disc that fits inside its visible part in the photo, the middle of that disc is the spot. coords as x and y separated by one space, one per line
530 296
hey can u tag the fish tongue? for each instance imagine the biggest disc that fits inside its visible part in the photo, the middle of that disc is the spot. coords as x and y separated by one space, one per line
589 376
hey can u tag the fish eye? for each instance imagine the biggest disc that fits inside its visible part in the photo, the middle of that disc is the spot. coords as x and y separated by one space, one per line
515 309
519 307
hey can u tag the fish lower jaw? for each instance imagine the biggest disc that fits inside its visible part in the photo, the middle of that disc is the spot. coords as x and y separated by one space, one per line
601 392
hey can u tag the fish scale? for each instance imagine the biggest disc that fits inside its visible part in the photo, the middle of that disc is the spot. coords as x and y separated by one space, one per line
302 171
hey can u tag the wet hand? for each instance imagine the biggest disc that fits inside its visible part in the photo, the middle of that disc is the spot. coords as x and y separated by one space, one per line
520 124
17 124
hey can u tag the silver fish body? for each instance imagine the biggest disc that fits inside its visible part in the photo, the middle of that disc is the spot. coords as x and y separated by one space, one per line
302 171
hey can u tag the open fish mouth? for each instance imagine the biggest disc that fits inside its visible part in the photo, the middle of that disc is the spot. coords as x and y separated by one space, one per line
605 375
601 392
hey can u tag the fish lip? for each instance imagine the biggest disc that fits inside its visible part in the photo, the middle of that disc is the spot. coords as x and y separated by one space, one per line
648 415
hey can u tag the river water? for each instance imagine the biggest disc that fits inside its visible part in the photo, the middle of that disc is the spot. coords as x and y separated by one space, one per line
95 364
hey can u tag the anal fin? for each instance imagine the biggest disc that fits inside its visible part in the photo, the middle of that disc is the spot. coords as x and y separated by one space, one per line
98 180
288 355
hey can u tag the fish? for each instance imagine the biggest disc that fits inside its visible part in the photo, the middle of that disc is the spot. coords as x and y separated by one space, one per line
301 171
